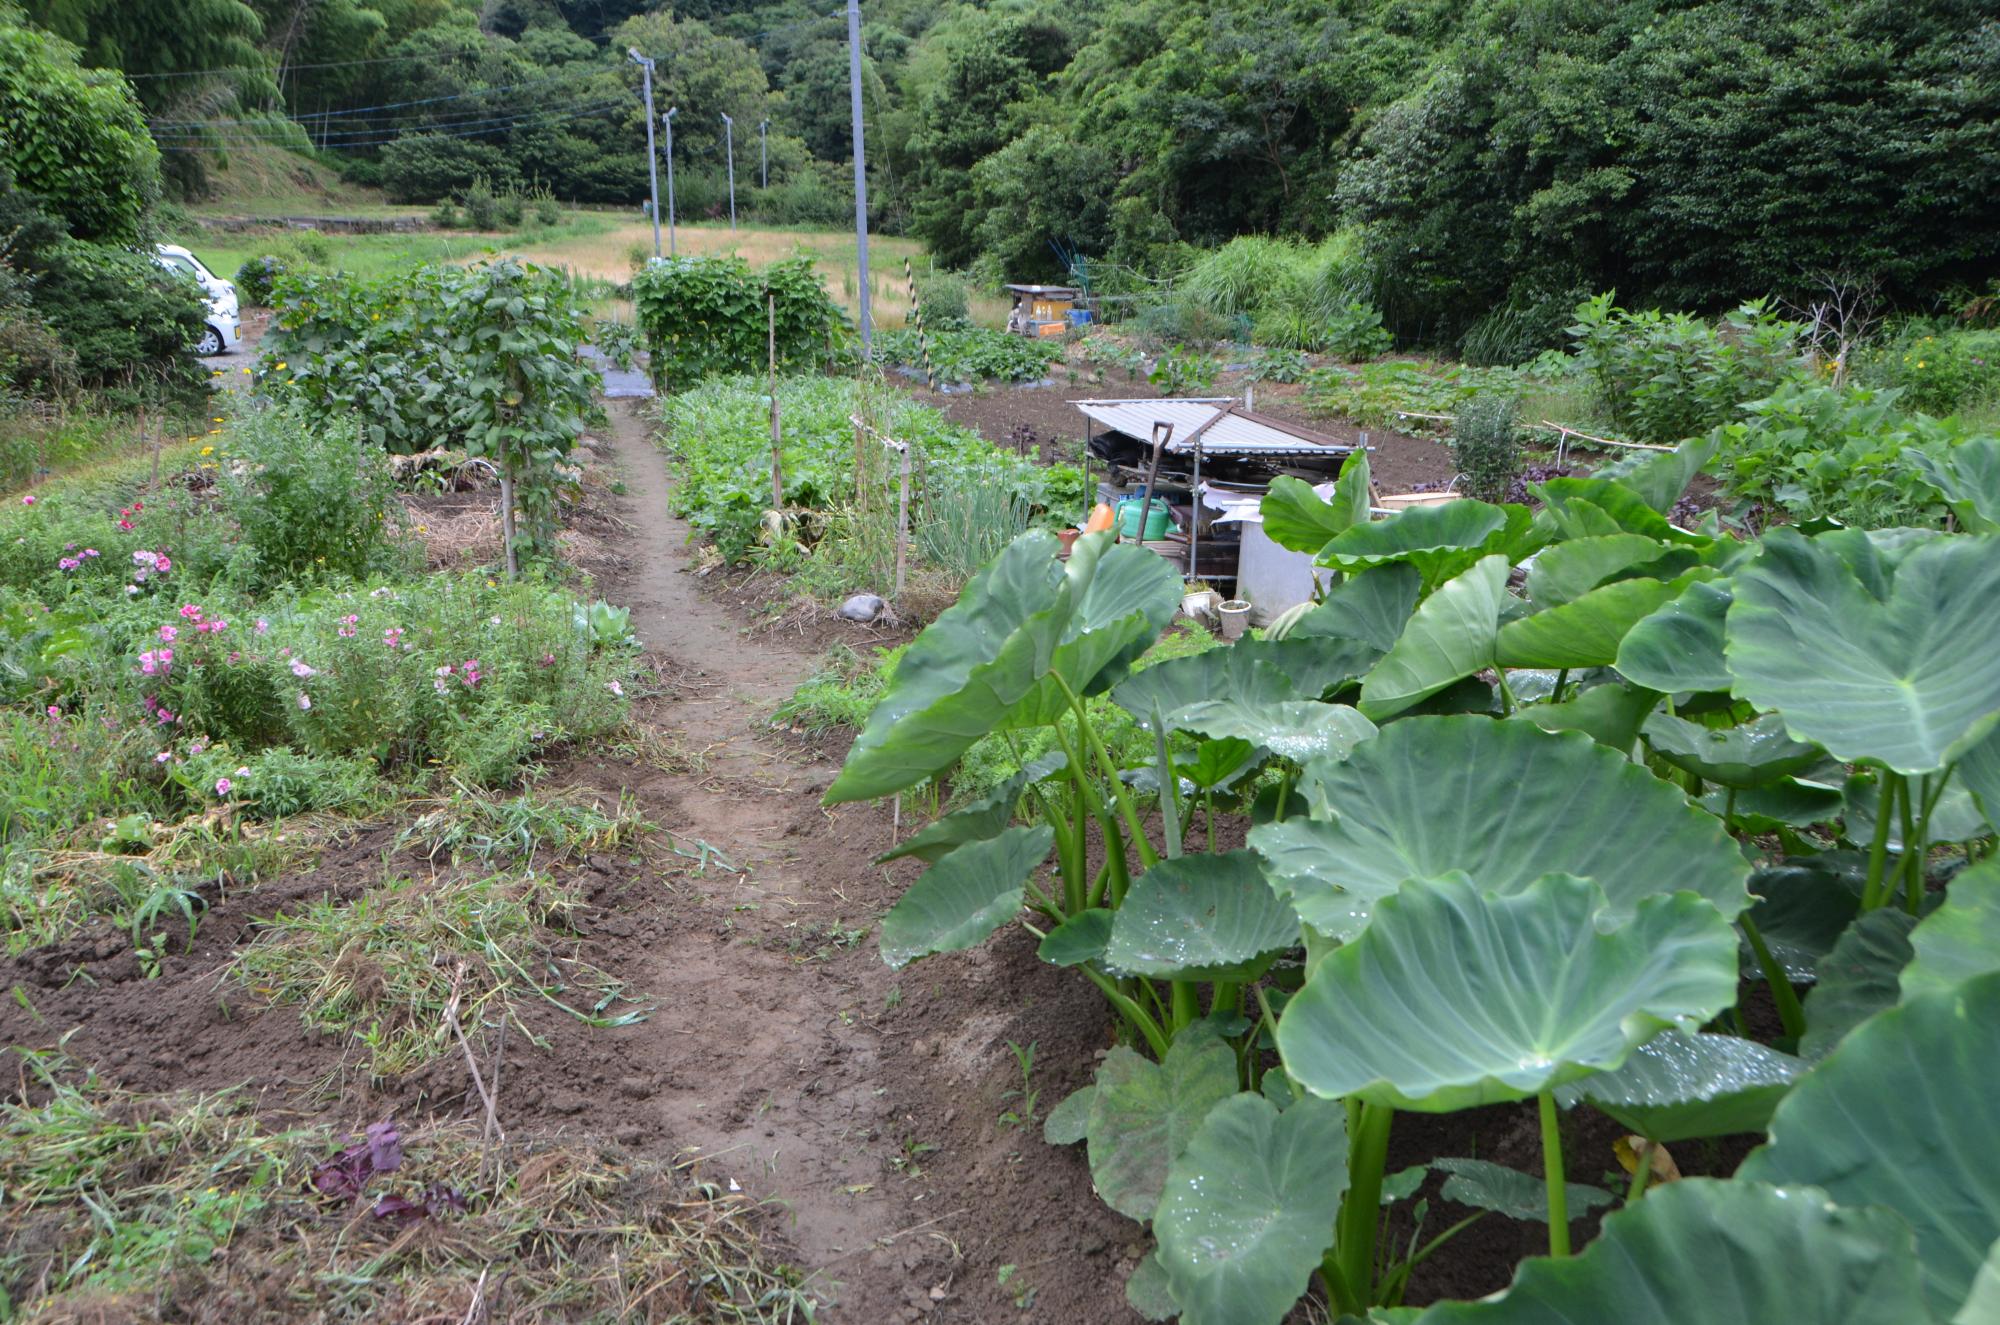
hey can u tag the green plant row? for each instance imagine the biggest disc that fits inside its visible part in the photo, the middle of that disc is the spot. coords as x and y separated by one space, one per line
1539 844
975 355
705 317
720 436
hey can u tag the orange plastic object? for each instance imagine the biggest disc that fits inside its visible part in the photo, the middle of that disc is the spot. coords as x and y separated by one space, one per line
1100 519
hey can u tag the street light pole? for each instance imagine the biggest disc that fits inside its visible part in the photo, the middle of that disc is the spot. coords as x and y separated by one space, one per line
729 146
860 168
668 120
764 153
652 158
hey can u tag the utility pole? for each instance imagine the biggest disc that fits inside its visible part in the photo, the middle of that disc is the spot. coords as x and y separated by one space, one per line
764 153
652 157
668 120
860 169
729 146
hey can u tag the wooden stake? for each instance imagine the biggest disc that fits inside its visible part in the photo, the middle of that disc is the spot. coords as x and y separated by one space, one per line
902 521
777 433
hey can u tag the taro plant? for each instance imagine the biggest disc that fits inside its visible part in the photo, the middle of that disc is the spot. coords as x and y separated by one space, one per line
1535 799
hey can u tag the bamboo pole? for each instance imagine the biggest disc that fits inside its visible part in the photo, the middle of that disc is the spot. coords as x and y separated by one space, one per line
777 432
902 521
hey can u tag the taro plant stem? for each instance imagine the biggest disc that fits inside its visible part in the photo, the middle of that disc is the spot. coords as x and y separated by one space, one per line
1878 850
1790 1011
1552 1170
1353 1259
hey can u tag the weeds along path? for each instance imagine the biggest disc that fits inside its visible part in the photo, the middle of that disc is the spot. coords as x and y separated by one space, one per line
865 1101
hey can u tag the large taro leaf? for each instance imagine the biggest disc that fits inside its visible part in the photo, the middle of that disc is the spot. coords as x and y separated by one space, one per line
1660 478
1370 608
1860 977
1506 803
1587 631
1510 1192
1453 998
1440 541
1298 730
1200 917
1982 1304
1122 605
1903 1115
1961 939
1876 649
978 821
1679 1087
1300 857
1248 1209
1955 815
1451 636
1786 803
1747 756
1079 939
1679 647
1968 477
964 896
1805 905
1144 1113
986 661
1595 507
1296 518
1167 687
1564 572
1609 714
1979 773
1703 1252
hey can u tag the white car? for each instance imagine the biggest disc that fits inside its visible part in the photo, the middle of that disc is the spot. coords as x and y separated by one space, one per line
223 330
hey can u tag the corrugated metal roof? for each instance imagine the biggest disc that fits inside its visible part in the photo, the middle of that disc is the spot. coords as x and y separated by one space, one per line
1237 432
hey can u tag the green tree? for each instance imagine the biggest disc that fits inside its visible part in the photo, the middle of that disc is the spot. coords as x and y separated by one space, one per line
75 137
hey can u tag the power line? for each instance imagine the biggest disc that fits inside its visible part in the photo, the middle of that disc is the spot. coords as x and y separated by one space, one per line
424 101
202 142
312 120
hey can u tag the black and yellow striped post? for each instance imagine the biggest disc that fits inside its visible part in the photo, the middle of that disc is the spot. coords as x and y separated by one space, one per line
917 317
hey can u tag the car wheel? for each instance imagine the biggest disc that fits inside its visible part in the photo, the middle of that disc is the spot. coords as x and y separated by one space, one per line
210 342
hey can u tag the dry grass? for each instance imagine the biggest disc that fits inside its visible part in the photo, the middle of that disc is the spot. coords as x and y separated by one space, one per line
127 1207
410 965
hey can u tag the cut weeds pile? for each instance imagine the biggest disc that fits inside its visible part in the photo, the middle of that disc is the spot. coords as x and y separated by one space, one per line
200 1212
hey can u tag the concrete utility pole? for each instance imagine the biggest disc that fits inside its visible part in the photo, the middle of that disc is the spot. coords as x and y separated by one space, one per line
652 157
764 153
729 146
668 120
860 169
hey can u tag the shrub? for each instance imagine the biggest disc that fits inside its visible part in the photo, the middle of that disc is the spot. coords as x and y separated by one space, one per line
445 216
1183 371
298 254
424 167
1158 326
75 137
1355 332
1940 370
1817 452
312 499
1485 447
946 298
1278 366
1668 376
706 316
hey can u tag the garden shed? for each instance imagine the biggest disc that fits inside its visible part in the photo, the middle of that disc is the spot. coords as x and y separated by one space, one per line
1213 446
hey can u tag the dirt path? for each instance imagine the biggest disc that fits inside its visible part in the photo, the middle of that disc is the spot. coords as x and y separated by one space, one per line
782 1048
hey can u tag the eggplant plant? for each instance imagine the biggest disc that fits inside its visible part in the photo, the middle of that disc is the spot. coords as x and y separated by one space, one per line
1532 799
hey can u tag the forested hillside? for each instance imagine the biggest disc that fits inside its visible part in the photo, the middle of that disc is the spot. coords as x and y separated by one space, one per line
1502 157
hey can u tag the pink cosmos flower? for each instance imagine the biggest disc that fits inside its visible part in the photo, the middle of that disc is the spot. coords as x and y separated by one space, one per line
393 637
163 756
67 563
261 626
28 500
54 712
300 670
223 786
143 557
169 633
305 701
90 552
162 565
615 688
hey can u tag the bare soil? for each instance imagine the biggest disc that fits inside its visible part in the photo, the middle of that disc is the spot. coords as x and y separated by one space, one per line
1013 416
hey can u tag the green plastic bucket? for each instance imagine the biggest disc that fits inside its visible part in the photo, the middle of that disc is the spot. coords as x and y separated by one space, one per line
1157 522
